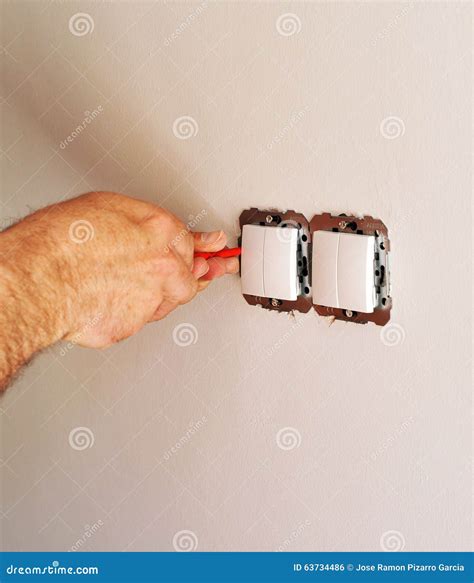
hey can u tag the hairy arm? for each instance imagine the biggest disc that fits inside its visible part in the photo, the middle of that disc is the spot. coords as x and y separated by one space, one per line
33 311
93 270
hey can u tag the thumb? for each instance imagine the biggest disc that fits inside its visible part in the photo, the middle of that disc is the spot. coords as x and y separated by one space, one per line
212 241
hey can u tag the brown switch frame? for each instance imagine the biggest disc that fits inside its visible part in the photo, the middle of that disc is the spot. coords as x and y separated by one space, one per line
342 223
366 225
255 216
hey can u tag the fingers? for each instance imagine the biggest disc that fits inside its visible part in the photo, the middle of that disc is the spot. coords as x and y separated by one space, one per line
185 288
183 281
170 235
213 241
218 266
203 284
232 265
200 267
181 284
167 306
163 310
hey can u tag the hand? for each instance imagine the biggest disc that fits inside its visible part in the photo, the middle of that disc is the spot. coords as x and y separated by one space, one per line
95 269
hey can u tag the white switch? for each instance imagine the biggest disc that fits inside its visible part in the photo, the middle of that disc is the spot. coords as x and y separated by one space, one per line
343 271
269 262
251 261
279 263
355 272
324 268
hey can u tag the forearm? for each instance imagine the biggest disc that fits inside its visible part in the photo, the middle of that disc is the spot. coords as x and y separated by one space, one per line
34 310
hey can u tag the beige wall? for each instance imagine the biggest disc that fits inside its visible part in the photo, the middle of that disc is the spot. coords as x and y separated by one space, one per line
290 116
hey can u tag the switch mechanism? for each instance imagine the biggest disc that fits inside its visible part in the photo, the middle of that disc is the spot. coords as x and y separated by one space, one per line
343 271
269 262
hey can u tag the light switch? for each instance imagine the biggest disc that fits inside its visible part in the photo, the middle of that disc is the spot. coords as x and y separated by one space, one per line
269 262
324 268
343 271
251 261
355 272
279 263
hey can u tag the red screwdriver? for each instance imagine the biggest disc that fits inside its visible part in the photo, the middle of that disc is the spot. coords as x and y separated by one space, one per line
235 252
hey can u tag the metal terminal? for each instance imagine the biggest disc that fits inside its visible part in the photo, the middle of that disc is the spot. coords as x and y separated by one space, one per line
381 271
269 219
349 313
342 224
275 303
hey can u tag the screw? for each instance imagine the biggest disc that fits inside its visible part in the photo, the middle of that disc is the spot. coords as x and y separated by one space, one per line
342 224
349 313
269 219
274 302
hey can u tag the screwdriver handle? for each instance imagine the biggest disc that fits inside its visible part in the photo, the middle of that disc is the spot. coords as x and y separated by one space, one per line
235 252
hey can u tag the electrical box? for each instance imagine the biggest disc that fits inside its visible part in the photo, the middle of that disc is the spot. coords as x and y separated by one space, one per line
337 265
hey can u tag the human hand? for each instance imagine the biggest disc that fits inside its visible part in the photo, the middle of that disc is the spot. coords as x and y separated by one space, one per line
93 270
137 268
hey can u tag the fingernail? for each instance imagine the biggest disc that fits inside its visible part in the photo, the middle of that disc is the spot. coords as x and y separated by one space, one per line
201 267
211 237
232 265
